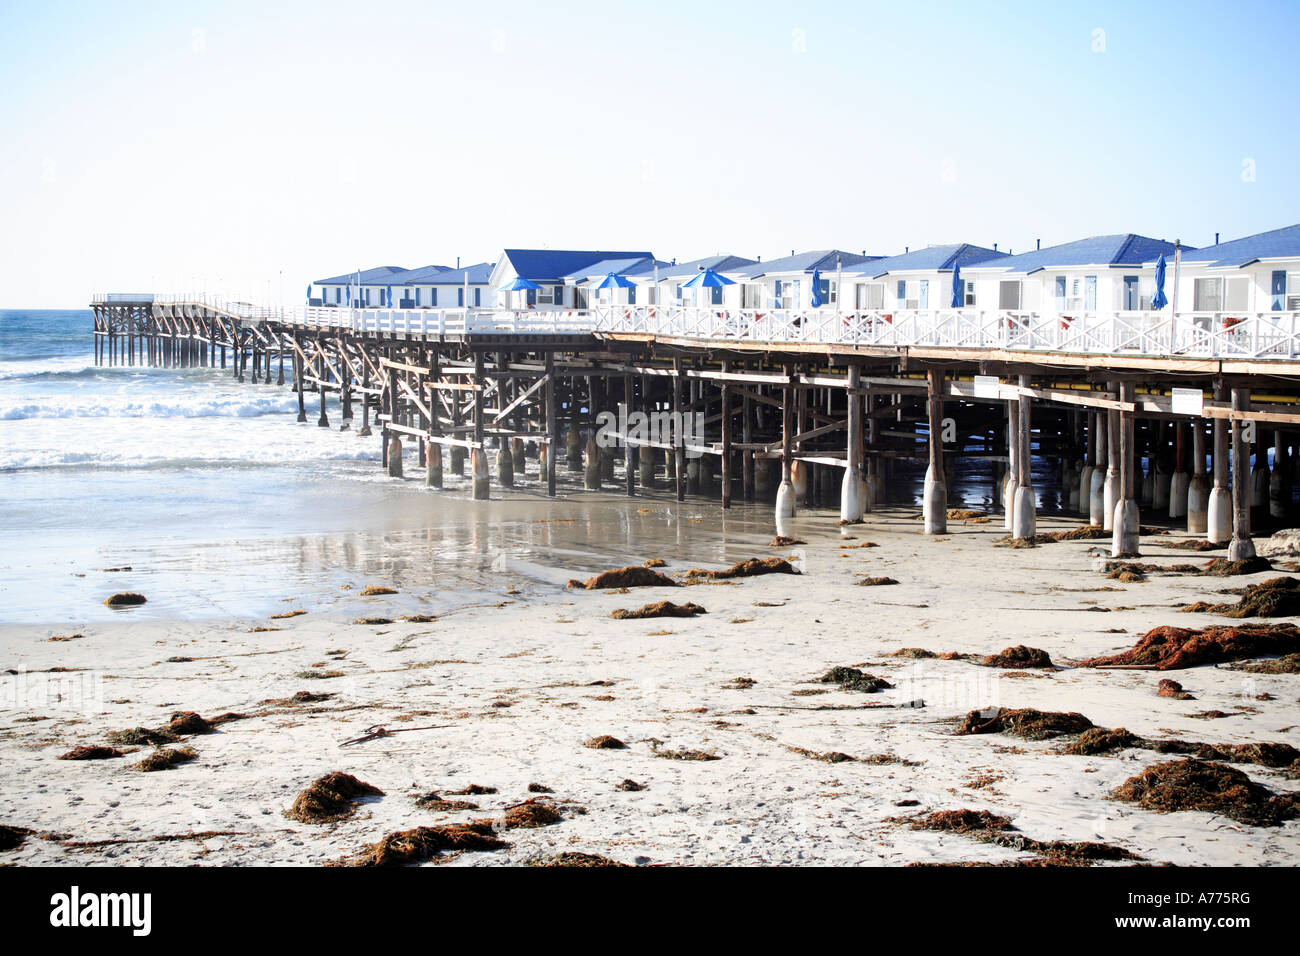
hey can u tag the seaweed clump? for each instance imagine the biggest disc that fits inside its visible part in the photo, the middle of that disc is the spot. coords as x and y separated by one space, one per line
1180 785
165 758
433 800
1276 597
1100 740
11 838
961 821
423 843
745 569
850 678
374 590
658 609
1018 657
532 813
330 798
605 742
1223 567
125 599
1026 722
632 576
867 581
575 858
92 753
1173 648
1287 664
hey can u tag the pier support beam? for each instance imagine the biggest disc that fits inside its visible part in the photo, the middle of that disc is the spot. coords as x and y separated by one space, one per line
1012 479
1180 481
1025 522
785 496
1218 528
1097 483
1084 492
1198 486
1241 547
934 502
478 455
679 433
1164 478
1127 520
629 453
324 420
726 440
1110 490
1279 487
552 424
433 450
853 487
297 382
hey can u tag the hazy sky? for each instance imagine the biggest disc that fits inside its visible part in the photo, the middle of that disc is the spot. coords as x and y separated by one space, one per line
255 146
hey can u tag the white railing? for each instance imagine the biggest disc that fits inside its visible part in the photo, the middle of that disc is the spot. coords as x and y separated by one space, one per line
1271 335
438 322
1191 334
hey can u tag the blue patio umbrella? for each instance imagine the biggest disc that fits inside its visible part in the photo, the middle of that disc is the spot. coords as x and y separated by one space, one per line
520 284
612 281
958 287
389 297
1158 301
816 300
707 279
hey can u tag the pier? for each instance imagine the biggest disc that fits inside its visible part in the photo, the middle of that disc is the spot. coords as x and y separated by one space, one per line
810 407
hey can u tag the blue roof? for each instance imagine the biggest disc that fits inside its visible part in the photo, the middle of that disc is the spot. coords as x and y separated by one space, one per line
1116 251
1281 243
822 259
476 274
931 258
422 274
620 267
678 270
550 265
376 276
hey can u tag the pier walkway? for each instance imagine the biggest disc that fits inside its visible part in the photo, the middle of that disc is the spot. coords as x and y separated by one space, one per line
818 406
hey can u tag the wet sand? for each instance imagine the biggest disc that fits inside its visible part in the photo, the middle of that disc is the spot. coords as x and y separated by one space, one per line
513 675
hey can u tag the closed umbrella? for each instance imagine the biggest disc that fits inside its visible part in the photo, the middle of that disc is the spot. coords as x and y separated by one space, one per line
816 300
1159 301
389 297
958 287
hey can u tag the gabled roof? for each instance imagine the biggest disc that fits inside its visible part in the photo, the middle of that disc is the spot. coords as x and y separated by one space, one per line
1281 243
822 259
476 274
422 274
634 265
929 259
1124 249
368 276
716 263
549 265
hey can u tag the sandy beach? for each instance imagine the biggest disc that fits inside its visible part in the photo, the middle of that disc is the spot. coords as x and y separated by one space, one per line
501 689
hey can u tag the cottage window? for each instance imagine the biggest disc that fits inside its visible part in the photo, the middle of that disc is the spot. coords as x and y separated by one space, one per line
1208 295
1009 295
870 295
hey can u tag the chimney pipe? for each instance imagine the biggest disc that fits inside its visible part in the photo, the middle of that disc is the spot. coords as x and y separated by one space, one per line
995 247
1039 244
1216 238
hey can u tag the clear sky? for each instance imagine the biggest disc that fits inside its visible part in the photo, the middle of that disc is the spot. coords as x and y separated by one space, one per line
177 145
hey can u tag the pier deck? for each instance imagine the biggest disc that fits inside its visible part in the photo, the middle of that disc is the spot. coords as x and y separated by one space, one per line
832 397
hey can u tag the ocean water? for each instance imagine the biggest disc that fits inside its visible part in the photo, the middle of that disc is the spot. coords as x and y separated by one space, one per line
222 505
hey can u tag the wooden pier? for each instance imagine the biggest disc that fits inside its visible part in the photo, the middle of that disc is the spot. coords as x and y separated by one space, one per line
813 423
